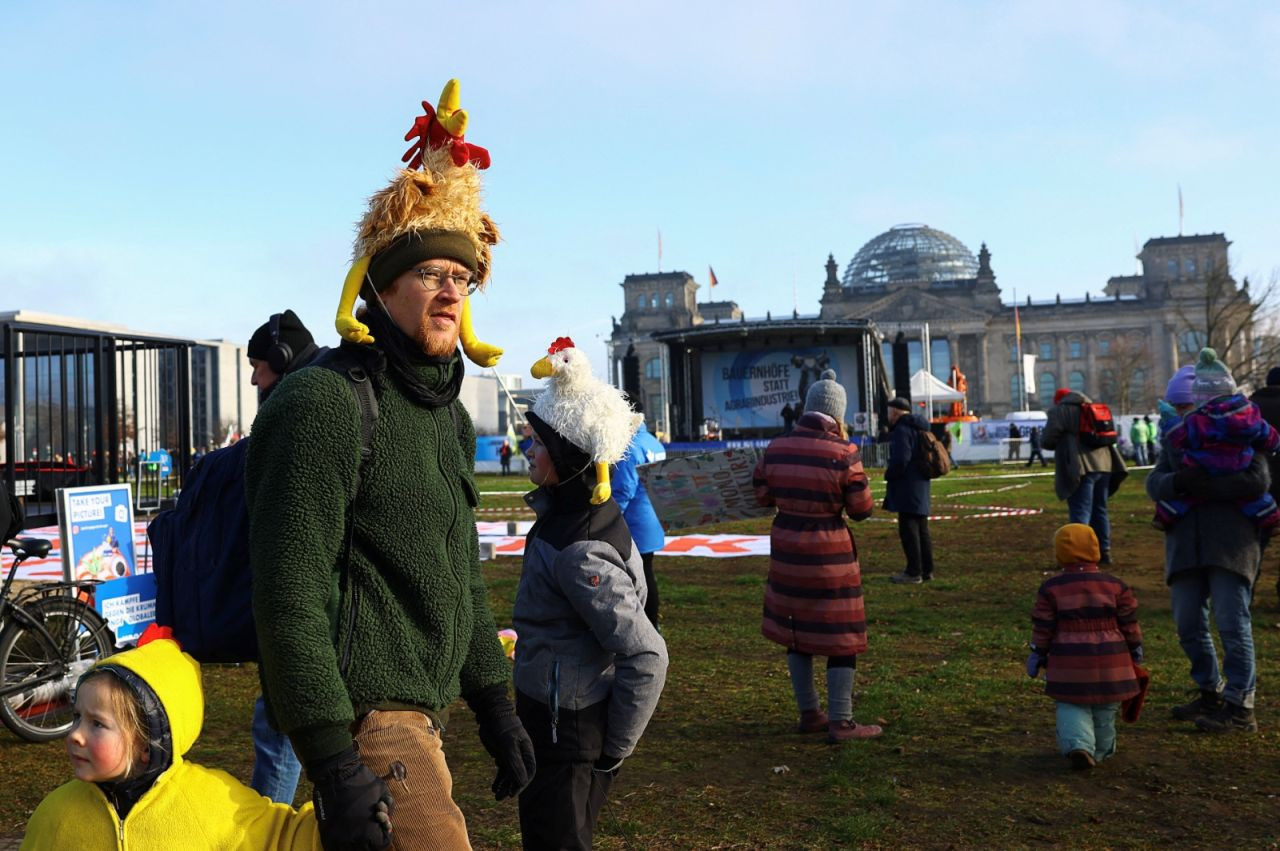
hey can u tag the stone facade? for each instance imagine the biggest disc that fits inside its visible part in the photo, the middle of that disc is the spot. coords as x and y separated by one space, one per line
1120 348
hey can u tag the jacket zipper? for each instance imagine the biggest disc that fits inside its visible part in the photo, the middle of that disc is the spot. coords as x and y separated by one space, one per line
553 701
349 641
453 522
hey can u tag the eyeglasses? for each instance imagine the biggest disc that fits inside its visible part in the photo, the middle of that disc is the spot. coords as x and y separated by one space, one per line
433 278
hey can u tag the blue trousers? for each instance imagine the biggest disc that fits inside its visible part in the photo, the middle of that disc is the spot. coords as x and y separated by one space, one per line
1192 592
1089 505
1087 726
275 767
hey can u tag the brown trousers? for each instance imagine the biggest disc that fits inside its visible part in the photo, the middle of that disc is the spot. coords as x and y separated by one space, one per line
403 748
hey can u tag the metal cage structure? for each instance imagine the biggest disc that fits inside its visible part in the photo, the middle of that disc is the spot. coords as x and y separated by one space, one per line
82 406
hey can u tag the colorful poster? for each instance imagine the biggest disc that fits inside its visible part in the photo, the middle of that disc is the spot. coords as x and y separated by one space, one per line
128 604
697 490
749 389
97 532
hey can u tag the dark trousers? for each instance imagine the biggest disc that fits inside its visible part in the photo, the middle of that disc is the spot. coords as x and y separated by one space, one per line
561 805
1036 453
913 529
651 602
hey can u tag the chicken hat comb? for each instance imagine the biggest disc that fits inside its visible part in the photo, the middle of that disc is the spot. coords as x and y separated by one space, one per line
430 209
590 414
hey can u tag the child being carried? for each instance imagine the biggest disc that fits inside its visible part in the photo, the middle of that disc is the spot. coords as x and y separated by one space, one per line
1220 436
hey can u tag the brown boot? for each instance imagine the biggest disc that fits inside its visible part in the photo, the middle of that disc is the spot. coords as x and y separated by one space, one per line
812 721
843 731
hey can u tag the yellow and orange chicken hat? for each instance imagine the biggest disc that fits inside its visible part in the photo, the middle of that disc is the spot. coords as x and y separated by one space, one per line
430 209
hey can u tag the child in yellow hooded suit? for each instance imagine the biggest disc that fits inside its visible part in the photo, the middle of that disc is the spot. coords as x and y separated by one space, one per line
138 713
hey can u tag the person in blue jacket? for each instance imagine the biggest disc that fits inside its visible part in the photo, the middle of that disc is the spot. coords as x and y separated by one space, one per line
637 510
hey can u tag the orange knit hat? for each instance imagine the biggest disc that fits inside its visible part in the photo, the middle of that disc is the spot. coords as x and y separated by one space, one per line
1076 543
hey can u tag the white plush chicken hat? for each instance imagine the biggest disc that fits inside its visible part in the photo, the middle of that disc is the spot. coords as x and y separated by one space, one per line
590 414
434 202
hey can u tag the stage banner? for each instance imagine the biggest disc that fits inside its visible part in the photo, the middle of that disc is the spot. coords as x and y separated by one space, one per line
697 490
749 389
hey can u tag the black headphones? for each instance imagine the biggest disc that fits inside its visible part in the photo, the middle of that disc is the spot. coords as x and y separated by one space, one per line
280 355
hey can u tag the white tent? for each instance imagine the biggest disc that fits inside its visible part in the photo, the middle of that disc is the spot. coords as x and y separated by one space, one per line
924 386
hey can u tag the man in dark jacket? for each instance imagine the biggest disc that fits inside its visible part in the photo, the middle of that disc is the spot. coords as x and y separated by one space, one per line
1083 476
1268 401
907 492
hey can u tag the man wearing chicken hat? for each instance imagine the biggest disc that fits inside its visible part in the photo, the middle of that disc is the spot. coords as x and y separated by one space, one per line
371 610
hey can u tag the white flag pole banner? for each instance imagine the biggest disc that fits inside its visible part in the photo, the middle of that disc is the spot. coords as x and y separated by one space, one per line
703 489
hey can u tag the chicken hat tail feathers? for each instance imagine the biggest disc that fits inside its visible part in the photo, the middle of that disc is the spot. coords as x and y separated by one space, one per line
430 209
591 414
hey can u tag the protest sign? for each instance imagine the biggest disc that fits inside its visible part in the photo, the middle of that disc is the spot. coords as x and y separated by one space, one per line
702 489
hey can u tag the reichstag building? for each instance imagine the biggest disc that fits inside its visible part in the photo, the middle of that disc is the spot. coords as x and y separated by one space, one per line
926 285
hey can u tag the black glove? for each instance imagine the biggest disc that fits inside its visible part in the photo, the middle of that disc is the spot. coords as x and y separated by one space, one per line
503 736
353 805
1188 479
1035 661
1136 655
607 765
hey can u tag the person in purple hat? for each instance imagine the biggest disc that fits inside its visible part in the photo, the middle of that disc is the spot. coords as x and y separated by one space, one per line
1212 559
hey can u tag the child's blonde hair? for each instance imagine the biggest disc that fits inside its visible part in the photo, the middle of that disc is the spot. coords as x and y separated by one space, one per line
128 714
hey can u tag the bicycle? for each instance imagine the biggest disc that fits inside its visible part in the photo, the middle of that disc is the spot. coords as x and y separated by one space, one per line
49 636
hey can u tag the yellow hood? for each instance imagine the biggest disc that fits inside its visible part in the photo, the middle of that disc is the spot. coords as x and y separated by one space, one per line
175 678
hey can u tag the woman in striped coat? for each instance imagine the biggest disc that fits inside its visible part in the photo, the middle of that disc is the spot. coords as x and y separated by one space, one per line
813 599
1085 629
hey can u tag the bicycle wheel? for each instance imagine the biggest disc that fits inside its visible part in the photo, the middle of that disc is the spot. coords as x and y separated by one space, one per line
80 638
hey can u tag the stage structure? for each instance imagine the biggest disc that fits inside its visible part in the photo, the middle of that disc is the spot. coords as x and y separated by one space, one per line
732 380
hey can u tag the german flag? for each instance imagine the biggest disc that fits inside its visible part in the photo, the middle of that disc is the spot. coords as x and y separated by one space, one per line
712 274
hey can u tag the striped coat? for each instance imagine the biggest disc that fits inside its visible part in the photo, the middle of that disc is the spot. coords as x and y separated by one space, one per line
1087 621
813 599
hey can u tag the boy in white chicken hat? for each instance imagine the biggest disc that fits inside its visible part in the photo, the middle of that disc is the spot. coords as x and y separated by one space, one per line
589 665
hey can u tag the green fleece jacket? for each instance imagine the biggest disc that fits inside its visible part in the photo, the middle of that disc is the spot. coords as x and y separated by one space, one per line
414 626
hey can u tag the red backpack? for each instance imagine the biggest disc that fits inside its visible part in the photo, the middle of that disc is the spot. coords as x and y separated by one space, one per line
1097 427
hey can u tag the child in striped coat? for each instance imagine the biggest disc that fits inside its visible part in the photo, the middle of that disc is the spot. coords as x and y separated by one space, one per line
1085 632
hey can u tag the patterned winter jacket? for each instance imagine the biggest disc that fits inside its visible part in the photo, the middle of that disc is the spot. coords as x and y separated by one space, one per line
1222 434
1087 623
813 599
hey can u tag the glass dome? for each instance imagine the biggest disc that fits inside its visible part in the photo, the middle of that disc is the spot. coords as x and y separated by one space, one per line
910 253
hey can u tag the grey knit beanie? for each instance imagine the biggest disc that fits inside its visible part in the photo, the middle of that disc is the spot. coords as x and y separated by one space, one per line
826 396
1212 380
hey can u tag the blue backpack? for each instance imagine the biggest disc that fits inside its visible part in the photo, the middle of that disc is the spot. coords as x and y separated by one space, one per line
200 548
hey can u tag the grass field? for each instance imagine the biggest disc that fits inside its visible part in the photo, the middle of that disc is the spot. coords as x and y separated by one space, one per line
968 757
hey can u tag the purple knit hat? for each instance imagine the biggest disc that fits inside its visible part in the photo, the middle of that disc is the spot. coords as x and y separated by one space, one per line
1179 390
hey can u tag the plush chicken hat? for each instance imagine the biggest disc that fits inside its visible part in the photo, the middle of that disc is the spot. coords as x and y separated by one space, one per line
587 412
430 209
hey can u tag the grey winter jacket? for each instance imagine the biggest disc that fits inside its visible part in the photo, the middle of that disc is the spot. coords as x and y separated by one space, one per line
1214 533
1070 460
582 634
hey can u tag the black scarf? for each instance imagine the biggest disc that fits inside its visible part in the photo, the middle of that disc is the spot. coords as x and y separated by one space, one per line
405 359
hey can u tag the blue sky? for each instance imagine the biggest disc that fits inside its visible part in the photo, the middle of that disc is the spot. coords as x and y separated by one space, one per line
190 168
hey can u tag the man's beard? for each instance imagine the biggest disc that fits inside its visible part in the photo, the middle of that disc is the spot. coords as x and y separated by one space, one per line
436 343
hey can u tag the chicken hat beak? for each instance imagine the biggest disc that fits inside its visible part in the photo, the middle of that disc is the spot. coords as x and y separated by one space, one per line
541 368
